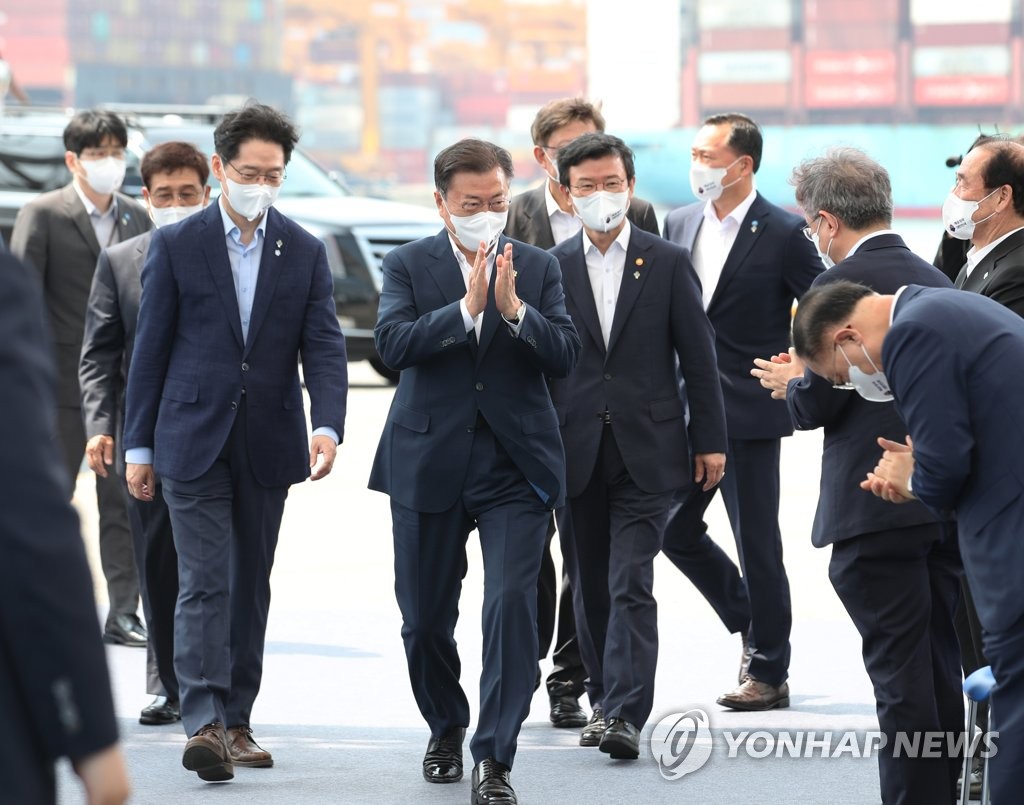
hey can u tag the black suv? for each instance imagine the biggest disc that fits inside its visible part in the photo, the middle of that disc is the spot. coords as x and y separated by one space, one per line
357 231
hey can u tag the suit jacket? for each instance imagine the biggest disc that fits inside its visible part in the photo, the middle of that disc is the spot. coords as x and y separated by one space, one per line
852 424
54 689
110 322
528 219
958 390
1000 274
447 380
54 234
770 264
191 366
658 319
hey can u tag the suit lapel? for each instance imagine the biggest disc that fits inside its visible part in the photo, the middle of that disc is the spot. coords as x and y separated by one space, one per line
445 269
128 225
272 264
576 283
76 212
990 262
215 249
754 224
634 276
539 227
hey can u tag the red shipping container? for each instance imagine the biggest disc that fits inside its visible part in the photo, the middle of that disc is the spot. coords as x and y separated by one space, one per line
715 97
481 110
982 90
839 79
989 33
851 36
745 39
839 13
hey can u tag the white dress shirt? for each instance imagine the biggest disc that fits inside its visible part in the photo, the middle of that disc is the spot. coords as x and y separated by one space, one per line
104 224
714 242
976 255
465 267
563 224
605 271
868 237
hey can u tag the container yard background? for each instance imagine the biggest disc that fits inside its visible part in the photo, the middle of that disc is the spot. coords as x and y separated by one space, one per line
379 86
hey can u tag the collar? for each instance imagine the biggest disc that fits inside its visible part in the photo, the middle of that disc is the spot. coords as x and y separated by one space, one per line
550 203
462 259
622 239
866 238
91 208
737 215
895 299
976 255
230 226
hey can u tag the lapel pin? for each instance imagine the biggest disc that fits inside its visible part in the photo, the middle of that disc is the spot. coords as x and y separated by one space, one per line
277 251
986 276
753 226
639 261
279 244
124 219
636 275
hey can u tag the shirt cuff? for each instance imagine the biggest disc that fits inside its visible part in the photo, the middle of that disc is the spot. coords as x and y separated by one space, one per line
326 430
516 326
139 455
910 484
467 320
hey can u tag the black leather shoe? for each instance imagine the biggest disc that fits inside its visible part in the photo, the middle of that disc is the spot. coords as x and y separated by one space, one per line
491 785
621 740
125 630
591 735
566 712
443 761
160 711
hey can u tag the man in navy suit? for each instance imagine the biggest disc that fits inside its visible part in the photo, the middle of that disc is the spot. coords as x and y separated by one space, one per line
957 389
753 261
54 688
231 298
896 569
475 322
628 445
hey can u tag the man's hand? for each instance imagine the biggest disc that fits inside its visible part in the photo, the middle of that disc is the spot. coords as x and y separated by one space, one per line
322 446
505 285
104 776
99 452
141 481
709 468
776 373
892 473
476 296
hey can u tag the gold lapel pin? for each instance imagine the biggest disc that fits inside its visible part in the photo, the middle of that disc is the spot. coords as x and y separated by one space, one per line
639 261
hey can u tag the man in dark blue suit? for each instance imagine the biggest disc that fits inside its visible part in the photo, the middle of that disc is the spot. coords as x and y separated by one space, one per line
958 390
896 569
753 261
475 322
54 689
627 440
231 298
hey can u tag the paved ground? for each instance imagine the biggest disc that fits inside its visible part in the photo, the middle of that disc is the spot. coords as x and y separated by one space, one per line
338 715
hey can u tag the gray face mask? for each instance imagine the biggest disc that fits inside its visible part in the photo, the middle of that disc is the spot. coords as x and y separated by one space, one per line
874 386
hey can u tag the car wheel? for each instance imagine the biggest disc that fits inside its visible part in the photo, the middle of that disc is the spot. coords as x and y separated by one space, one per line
382 369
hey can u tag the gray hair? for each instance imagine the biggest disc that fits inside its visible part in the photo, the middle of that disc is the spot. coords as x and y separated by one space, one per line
847 183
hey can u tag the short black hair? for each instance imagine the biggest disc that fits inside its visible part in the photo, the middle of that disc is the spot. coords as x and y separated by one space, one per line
821 309
593 145
1005 166
469 156
173 156
89 128
744 136
254 121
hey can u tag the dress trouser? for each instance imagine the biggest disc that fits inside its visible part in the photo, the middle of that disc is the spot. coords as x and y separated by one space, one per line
1005 651
758 601
615 535
116 555
901 589
556 619
430 564
969 633
225 526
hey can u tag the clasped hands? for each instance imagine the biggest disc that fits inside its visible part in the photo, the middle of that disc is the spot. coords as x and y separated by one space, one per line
776 372
504 284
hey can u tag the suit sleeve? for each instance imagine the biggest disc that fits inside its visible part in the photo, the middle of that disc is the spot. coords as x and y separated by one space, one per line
801 263
931 385
154 335
813 403
1008 289
50 642
324 363
99 371
30 237
694 341
548 335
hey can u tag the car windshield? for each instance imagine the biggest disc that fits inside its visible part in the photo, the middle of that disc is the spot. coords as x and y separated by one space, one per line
304 176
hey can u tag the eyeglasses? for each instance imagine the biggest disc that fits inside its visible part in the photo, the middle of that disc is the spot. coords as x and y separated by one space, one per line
847 386
100 152
809 233
469 207
251 175
611 185
188 197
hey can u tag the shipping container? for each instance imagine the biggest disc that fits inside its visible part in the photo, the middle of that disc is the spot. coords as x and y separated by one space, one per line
745 96
937 12
741 67
962 90
713 14
840 13
840 79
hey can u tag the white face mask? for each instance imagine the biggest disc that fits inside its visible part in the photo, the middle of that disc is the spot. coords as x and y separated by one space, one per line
103 175
250 200
956 215
874 386
826 261
706 182
484 226
165 216
602 211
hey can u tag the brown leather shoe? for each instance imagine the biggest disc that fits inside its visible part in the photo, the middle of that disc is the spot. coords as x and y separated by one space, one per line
753 694
206 753
745 657
245 751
